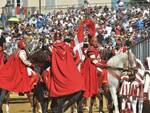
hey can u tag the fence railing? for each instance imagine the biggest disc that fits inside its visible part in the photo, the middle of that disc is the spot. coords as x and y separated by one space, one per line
142 49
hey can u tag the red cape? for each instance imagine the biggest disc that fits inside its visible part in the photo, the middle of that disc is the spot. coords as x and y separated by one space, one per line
13 75
66 79
89 73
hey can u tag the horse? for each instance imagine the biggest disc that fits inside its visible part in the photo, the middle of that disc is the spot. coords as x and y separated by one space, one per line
117 64
63 103
106 54
40 59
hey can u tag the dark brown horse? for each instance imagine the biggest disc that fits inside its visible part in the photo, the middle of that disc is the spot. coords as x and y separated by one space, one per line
42 58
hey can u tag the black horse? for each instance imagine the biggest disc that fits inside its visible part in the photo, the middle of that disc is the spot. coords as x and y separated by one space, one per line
42 58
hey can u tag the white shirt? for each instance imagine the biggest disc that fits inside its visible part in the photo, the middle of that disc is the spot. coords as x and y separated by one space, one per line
23 57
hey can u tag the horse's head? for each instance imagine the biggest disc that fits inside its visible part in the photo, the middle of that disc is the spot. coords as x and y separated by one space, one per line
41 58
123 60
131 60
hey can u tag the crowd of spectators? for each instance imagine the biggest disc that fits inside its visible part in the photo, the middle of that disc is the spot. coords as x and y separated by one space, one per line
114 27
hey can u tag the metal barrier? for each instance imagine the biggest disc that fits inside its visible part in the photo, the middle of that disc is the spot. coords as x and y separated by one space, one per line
142 49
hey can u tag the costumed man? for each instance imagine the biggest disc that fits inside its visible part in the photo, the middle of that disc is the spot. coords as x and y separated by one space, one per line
65 78
122 49
147 80
89 69
136 92
16 75
124 93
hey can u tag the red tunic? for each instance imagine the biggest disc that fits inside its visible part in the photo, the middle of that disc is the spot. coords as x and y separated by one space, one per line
13 75
104 73
89 72
66 78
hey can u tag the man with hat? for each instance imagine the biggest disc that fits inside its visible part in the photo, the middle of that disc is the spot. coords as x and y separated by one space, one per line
15 75
124 92
137 91
65 79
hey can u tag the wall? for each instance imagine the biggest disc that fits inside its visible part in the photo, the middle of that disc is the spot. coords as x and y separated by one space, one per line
2 4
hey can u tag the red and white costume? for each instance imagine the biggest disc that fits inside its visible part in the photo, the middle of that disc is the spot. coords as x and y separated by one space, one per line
137 92
31 73
125 87
89 72
135 85
124 92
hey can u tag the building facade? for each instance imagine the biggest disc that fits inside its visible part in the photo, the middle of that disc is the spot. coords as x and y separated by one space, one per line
28 5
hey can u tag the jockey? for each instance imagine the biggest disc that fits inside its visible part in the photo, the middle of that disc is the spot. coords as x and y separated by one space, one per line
16 75
89 68
66 78
124 92
147 79
136 91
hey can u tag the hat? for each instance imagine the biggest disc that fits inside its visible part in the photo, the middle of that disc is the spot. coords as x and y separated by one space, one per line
57 36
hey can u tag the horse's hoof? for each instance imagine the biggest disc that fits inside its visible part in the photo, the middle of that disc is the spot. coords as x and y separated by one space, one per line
39 111
101 111
86 108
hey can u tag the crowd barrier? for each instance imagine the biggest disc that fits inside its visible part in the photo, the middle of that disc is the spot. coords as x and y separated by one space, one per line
142 49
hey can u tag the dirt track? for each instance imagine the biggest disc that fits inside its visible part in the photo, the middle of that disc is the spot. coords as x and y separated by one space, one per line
20 104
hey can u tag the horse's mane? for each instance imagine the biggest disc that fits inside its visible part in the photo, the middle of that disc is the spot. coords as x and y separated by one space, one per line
106 54
117 60
41 56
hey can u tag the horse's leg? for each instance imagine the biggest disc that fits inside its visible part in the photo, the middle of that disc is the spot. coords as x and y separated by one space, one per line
44 105
57 105
74 108
91 103
79 105
34 103
60 103
54 105
110 106
100 98
114 97
30 97
2 96
7 103
74 98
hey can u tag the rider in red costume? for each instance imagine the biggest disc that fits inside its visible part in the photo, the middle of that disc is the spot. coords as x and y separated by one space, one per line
15 75
65 78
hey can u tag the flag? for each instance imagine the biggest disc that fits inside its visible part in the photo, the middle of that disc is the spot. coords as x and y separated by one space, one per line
79 38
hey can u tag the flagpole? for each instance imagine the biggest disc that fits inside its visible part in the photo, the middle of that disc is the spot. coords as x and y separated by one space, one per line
40 6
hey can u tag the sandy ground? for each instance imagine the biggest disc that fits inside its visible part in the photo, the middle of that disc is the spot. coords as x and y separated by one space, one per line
20 104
